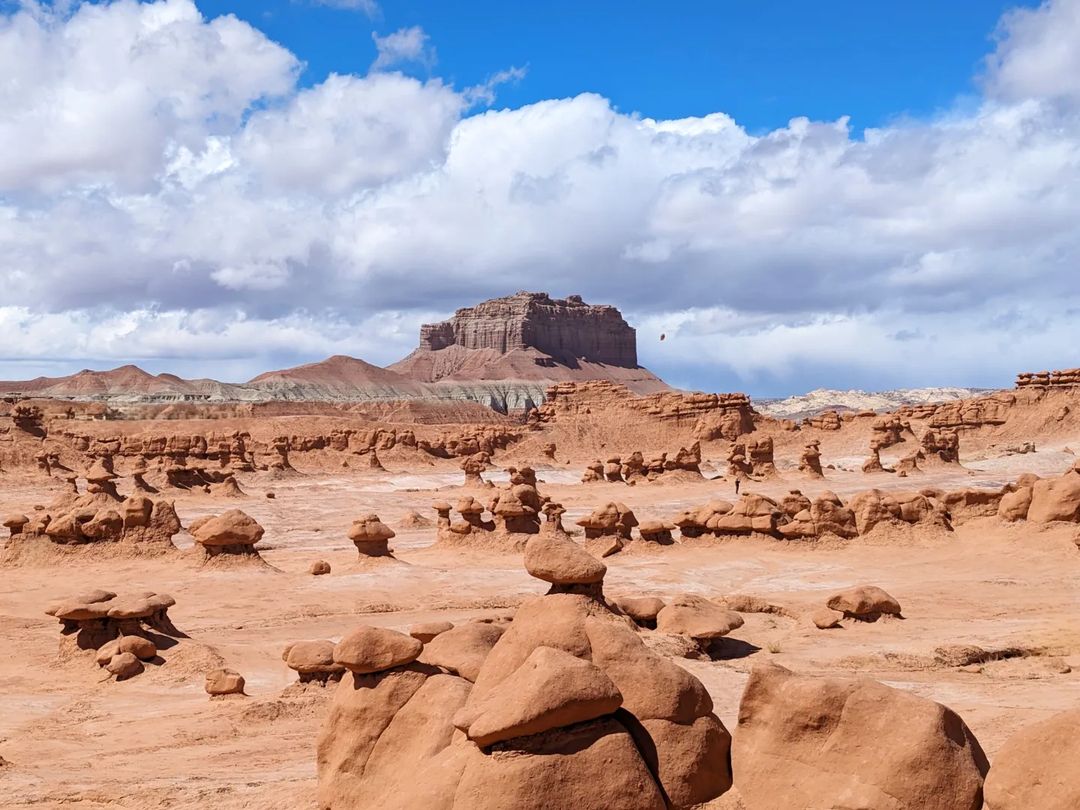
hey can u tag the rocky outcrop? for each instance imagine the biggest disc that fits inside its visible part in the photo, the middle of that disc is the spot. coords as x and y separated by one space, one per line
566 329
566 707
125 631
95 524
810 460
706 416
1065 378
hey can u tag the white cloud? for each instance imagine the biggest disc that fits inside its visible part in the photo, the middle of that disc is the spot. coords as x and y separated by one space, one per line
163 170
404 46
1038 53
368 7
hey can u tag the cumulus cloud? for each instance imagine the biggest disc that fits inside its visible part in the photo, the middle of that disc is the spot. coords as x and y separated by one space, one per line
404 46
164 182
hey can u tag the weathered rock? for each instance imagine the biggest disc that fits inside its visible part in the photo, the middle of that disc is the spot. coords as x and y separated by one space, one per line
371 536
697 618
559 560
373 649
642 609
823 743
224 682
319 568
426 631
1056 499
1036 767
867 602
463 649
124 665
551 689
313 660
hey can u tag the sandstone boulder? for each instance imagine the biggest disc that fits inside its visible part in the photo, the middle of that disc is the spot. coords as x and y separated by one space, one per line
698 618
865 602
1036 768
823 743
373 649
550 689
224 682
559 560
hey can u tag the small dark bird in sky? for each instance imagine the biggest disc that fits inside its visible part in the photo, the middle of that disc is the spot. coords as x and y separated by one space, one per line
663 335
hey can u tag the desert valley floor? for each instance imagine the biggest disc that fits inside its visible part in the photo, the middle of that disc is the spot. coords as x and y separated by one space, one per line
72 736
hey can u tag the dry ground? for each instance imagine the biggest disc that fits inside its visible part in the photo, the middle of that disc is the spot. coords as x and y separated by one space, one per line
72 739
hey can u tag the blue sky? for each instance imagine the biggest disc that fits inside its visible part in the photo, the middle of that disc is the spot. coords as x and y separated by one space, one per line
761 61
798 195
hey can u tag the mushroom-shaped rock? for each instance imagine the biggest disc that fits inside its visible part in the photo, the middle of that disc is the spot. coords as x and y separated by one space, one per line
1036 767
234 529
611 519
697 618
867 602
426 631
319 568
374 649
657 531
806 742
463 649
371 536
313 660
14 523
642 609
559 560
224 682
551 689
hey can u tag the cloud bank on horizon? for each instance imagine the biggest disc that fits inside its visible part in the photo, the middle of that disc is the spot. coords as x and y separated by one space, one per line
171 195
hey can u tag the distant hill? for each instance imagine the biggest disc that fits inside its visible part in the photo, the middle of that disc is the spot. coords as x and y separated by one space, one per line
827 399
503 353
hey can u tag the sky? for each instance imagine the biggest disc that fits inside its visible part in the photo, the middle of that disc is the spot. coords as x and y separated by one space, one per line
842 194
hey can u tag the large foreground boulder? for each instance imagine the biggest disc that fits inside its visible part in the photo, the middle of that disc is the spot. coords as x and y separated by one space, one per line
1038 767
564 707
827 743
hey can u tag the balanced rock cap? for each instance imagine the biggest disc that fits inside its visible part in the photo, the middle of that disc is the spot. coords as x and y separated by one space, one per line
233 528
560 561
374 649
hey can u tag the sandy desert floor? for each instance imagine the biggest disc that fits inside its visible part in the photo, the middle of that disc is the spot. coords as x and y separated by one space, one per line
70 738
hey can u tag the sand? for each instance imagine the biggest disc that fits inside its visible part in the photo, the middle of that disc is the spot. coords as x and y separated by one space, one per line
72 739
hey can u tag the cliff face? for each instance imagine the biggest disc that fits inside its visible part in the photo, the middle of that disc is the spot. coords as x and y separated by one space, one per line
566 329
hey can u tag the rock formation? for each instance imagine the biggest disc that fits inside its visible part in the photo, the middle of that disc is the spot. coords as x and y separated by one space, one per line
516 512
941 445
1037 767
567 330
567 708
231 535
608 528
810 460
371 537
93 524
805 742
866 603
706 416
1066 378
125 631
224 682
635 467
313 661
